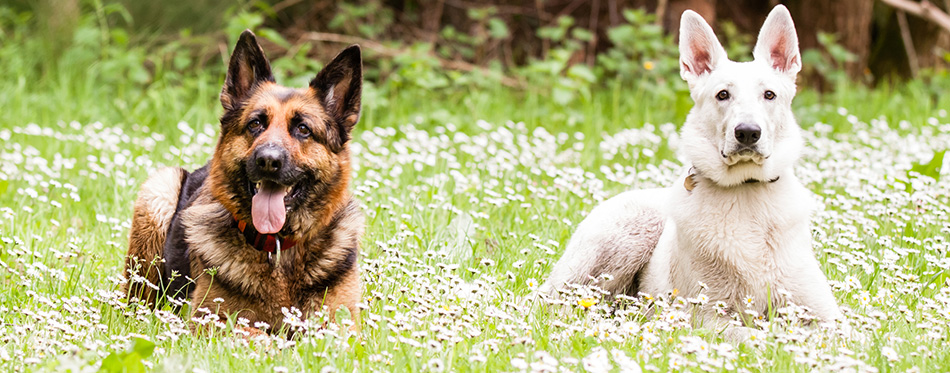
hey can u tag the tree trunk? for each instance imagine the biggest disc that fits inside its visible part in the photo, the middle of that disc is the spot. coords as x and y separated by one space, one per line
675 9
849 19
889 57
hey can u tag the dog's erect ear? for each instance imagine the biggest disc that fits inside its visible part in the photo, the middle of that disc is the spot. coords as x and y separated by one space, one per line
339 87
778 43
700 50
247 67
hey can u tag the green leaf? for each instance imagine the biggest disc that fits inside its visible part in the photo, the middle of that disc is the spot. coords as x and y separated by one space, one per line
128 361
120 37
931 168
565 22
551 33
143 347
111 363
582 34
497 28
274 37
582 72
562 96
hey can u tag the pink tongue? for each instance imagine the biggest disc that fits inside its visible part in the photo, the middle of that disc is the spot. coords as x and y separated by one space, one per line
267 208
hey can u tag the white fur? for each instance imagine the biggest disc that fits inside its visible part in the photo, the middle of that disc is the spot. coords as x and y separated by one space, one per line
740 239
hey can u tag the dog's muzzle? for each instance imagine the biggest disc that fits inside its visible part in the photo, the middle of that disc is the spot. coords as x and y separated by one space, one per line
747 134
746 147
272 178
267 162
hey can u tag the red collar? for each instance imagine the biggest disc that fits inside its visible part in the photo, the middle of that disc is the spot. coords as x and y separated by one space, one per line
262 242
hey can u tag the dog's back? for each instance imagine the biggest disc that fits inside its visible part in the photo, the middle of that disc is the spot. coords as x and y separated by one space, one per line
617 238
177 266
154 212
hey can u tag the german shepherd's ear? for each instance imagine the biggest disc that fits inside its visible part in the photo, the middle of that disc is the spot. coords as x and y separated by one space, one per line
700 50
778 42
247 68
339 87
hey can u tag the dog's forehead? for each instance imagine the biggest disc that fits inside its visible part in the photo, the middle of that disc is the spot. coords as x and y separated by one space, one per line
273 97
743 76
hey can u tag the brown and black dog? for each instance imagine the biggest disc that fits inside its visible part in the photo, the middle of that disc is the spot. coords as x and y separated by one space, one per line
269 222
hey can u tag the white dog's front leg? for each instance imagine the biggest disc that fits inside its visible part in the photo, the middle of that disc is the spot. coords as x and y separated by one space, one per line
812 291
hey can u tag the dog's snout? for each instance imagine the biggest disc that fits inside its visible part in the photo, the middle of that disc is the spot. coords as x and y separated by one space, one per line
270 159
748 133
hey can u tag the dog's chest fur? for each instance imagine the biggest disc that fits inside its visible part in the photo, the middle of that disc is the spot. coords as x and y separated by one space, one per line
247 278
740 241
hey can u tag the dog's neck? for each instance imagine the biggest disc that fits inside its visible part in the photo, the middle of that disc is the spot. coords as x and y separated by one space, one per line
694 174
268 243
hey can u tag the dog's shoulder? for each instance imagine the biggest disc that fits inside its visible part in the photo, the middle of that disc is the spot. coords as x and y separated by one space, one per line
629 209
348 224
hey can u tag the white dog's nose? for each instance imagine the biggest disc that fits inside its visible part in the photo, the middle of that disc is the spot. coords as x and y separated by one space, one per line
747 133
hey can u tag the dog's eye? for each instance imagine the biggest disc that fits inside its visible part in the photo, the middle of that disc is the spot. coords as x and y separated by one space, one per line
769 95
722 95
303 130
254 125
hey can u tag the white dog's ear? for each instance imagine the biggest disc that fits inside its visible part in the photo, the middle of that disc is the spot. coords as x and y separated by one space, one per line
700 51
778 42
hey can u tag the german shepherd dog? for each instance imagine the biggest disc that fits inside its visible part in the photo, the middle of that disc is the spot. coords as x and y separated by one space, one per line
269 221
739 220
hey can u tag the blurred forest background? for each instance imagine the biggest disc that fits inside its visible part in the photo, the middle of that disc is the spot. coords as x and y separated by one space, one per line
562 50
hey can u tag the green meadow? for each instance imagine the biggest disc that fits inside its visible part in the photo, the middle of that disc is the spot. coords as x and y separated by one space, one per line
471 189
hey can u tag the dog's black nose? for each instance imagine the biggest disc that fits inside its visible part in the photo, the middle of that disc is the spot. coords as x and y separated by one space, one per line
269 159
748 134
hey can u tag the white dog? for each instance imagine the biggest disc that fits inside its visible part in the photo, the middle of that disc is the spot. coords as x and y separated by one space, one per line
738 221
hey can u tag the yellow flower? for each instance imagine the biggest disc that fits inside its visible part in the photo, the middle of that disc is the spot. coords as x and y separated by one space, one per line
648 65
532 283
587 302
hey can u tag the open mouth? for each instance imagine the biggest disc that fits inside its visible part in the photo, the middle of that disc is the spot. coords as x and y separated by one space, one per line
269 205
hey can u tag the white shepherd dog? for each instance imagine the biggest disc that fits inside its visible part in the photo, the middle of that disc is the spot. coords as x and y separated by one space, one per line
738 221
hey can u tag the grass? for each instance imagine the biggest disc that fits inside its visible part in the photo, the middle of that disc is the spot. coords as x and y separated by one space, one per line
471 195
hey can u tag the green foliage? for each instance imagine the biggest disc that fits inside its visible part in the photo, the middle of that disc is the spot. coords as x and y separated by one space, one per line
100 65
129 361
534 184
738 45
369 19
240 21
932 168
828 61
643 56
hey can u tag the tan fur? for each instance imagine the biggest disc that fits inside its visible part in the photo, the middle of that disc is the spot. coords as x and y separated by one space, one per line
250 285
228 276
253 288
347 294
153 212
312 155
